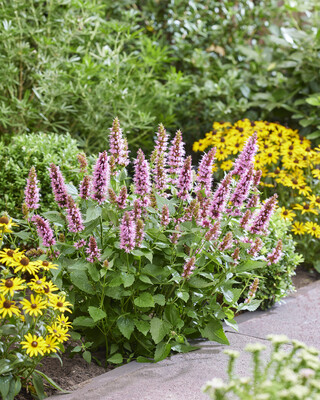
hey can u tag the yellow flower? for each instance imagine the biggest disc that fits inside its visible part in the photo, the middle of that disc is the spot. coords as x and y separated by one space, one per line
305 208
63 321
48 288
287 214
6 224
226 165
38 284
52 344
271 157
58 332
23 264
313 229
316 173
314 200
34 345
7 307
304 190
10 285
8 256
298 228
221 154
46 265
60 303
35 306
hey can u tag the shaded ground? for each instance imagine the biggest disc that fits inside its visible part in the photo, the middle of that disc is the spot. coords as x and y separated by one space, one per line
76 370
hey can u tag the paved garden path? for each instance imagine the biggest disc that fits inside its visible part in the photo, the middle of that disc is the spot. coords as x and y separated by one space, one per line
181 376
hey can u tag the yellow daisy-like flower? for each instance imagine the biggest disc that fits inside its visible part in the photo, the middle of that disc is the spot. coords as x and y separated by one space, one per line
314 200
60 303
48 288
305 208
8 256
271 157
46 265
6 224
226 165
287 214
316 173
35 306
304 190
58 332
63 321
52 345
38 284
221 154
23 264
7 307
298 228
10 285
313 229
34 345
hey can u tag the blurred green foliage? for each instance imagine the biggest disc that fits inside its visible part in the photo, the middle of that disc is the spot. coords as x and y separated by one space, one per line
73 65
37 150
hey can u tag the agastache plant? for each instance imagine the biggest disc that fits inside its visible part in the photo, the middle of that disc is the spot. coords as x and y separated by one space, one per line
58 186
176 156
118 145
44 231
31 192
139 257
246 157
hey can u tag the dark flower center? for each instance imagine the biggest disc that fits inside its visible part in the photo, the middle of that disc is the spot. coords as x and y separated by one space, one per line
313 228
33 306
34 344
294 181
290 153
285 212
59 304
7 304
10 253
9 283
46 289
291 147
269 154
222 140
45 263
318 200
39 282
24 261
306 206
4 220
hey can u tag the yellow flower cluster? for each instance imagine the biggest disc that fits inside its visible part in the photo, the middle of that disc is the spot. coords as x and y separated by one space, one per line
285 159
32 299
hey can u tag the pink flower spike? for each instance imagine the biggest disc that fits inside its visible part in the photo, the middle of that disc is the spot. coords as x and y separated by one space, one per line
122 198
100 178
188 267
58 186
204 176
176 154
118 145
276 254
185 180
85 187
261 222
127 233
93 251
31 192
165 218
246 157
74 217
44 231
141 175
221 197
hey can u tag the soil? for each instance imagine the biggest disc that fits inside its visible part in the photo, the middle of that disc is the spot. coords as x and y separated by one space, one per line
76 370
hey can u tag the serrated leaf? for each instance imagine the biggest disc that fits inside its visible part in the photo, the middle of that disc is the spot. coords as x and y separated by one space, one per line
126 326
115 359
84 321
87 356
144 300
80 279
38 385
199 283
96 313
93 212
252 306
232 323
142 326
159 329
162 351
159 299
145 279
55 217
182 295
251 265
214 331
127 279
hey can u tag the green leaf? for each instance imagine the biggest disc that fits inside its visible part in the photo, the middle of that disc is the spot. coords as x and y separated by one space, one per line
87 356
159 329
84 321
126 326
75 335
115 281
251 265
199 283
145 279
252 306
115 359
80 280
76 349
90 227
162 351
24 235
96 313
55 217
38 385
52 382
93 212
5 366
159 299
127 279
184 348
5 385
171 314
110 215
182 295
142 359
232 323
72 190
314 135
214 331
161 201
93 272
144 300
142 326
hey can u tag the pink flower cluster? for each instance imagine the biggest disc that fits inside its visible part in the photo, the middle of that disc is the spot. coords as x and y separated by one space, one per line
44 231
31 192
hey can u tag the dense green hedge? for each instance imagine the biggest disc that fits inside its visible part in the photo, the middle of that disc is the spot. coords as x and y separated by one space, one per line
72 65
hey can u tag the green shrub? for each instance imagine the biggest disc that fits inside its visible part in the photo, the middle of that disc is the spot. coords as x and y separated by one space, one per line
291 373
146 267
38 150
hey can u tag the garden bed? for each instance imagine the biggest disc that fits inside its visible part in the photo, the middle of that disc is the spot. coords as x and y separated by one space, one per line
75 371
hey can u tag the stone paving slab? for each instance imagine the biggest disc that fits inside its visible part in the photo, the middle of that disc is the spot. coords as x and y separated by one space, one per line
181 376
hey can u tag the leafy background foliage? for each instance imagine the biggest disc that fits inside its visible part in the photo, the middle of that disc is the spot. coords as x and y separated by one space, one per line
73 65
